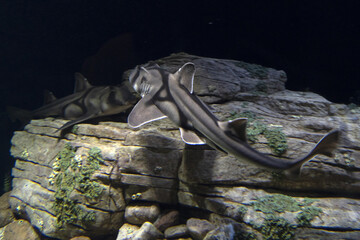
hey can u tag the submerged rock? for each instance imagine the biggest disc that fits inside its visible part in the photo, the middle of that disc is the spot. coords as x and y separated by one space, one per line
140 213
179 231
225 232
6 215
80 182
19 229
147 232
168 219
198 228
127 232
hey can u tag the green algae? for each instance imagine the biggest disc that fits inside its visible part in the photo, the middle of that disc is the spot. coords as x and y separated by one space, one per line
72 173
75 129
243 235
277 227
242 211
305 217
277 203
276 139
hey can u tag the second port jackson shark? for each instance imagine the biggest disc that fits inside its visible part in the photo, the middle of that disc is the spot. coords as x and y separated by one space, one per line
87 102
166 94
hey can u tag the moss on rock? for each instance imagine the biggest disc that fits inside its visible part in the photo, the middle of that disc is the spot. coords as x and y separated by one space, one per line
277 203
71 173
305 217
277 227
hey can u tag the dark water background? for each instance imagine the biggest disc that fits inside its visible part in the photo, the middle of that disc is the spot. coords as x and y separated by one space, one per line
42 44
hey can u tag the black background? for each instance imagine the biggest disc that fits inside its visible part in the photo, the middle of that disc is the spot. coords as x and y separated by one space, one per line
42 43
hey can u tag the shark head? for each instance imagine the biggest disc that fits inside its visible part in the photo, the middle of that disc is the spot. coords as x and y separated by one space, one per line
146 79
116 99
120 95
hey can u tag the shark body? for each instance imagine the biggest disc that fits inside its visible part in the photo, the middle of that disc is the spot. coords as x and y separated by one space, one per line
85 103
171 95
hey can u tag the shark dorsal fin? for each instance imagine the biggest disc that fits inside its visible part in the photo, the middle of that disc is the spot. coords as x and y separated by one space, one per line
144 112
81 83
48 97
186 76
236 127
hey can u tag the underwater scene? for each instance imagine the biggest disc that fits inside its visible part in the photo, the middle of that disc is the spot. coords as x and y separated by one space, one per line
191 120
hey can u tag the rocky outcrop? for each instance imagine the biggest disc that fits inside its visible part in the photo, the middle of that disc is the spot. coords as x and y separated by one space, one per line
6 215
84 181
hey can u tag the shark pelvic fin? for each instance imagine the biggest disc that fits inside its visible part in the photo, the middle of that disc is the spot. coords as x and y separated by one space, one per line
190 137
48 97
81 83
236 127
186 76
144 112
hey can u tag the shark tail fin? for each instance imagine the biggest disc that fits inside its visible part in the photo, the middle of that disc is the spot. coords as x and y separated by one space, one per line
18 114
325 146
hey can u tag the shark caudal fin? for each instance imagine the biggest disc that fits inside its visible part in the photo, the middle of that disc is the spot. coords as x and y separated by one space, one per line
325 146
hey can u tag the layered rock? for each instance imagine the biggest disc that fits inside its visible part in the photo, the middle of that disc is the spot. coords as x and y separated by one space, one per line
94 172
122 175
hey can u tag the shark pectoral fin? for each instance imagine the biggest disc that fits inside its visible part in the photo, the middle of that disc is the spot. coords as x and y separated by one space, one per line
236 127
186 76
144 112
76 121
190 137
81 83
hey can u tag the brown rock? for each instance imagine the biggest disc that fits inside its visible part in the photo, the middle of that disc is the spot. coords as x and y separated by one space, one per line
167 220
6 215
20 230
140 213
198 228
148 231
127 232
179 231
